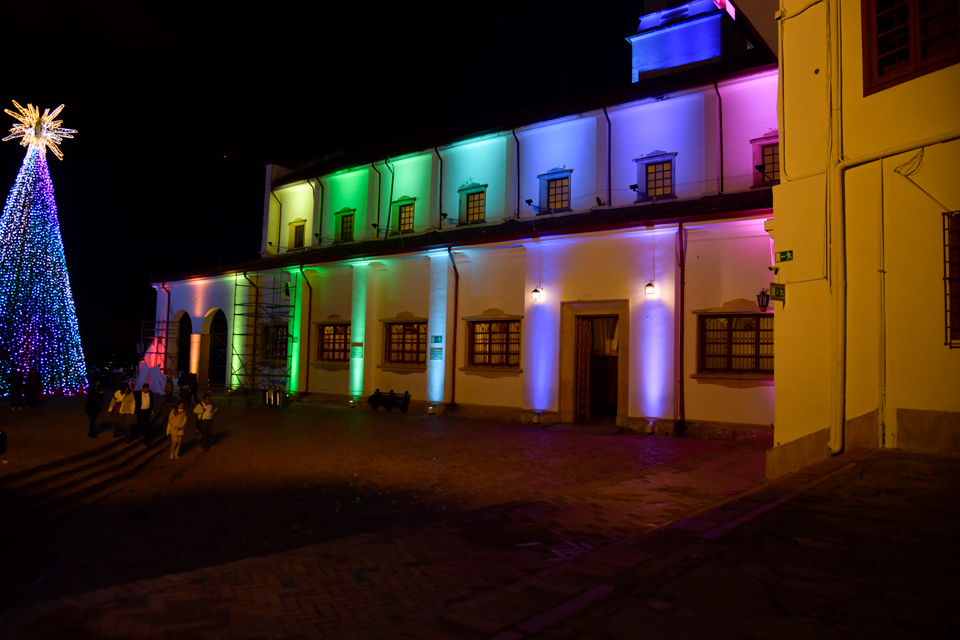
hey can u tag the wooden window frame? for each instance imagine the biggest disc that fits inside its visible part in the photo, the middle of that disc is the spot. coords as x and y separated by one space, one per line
329 350
476 213
393 357
401 209
299 235
914 68
564 202
729 355
770 175
513 347
951 277
272 336
655 158
346 223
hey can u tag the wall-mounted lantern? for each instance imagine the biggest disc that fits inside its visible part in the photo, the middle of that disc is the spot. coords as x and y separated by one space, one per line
535 294
649 289
763 299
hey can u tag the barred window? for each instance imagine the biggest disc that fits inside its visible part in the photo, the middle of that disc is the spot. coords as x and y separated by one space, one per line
905 39
476 206
736 344
406 217
333 343
493 344
558 194
406 343
659 179
274 341
770 163
298 232
951 275
346 228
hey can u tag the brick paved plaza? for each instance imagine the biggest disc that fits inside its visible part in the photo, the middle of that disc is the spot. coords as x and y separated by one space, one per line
323 522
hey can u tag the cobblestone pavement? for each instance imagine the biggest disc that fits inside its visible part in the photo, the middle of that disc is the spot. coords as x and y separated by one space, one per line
326 522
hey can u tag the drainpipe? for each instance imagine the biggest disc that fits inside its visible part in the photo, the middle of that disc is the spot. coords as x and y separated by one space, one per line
719 139
440 199
166 348
609 132
309 324
837 229
319 230
379 184
518 171
681 405
279 220
393 174
456 322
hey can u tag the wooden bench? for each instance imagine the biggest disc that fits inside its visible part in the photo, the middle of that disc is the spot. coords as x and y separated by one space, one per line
389 401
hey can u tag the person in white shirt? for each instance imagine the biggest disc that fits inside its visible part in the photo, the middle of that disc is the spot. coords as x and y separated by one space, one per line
205 412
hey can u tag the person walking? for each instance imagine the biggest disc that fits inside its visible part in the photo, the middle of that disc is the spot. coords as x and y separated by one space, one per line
93 407
32 388
168 389
205 412
194 383
144 409
175 425
15 380
128 405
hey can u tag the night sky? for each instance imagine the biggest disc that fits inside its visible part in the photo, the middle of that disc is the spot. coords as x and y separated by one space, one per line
178 107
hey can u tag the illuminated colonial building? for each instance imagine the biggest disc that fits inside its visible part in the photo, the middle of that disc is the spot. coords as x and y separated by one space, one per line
867 215
602 259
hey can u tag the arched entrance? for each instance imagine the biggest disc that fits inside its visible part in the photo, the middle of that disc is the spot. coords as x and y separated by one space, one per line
218 349
183 344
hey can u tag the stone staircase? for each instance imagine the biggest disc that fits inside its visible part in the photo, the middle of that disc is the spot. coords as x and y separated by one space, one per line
49 491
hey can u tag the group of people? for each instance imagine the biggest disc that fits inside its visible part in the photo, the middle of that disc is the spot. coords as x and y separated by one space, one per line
24 391
139 406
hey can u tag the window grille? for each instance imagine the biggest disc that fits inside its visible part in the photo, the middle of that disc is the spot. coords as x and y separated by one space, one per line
736 344
406 343
274 341
493 344
346 228
951 276
476 206
406 217
905 39
771 163
659 179
558 194
333 343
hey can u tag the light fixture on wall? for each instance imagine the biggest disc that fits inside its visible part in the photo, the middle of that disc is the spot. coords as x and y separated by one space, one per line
649 289
535 294
763 299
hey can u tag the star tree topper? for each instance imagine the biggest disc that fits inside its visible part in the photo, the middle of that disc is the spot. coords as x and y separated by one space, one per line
37 130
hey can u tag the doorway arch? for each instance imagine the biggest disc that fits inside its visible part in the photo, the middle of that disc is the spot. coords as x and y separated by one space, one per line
185 330
216 322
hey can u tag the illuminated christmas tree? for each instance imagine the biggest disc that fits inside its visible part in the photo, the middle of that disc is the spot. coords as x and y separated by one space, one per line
38 320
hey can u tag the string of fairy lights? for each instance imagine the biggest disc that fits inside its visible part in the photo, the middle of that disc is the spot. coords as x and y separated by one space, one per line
38 318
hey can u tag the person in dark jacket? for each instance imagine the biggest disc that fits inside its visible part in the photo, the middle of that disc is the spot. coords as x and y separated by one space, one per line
15 380
93 407
144 410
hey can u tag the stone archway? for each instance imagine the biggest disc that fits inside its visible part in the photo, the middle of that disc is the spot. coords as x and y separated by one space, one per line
215 334
184 331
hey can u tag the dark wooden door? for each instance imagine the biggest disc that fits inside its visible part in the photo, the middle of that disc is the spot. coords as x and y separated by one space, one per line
582 374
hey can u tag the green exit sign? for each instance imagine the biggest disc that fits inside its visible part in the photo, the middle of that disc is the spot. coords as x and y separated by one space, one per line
785 256
778 292
436 339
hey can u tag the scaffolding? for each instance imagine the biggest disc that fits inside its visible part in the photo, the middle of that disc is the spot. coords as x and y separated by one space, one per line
263 343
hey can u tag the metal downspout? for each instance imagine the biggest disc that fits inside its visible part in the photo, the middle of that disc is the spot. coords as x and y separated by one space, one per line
719 138
393 175
456 322
309 325
681 400
319 230
279 220
166 349
518 171
837 226
440 198
609 131
373 165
